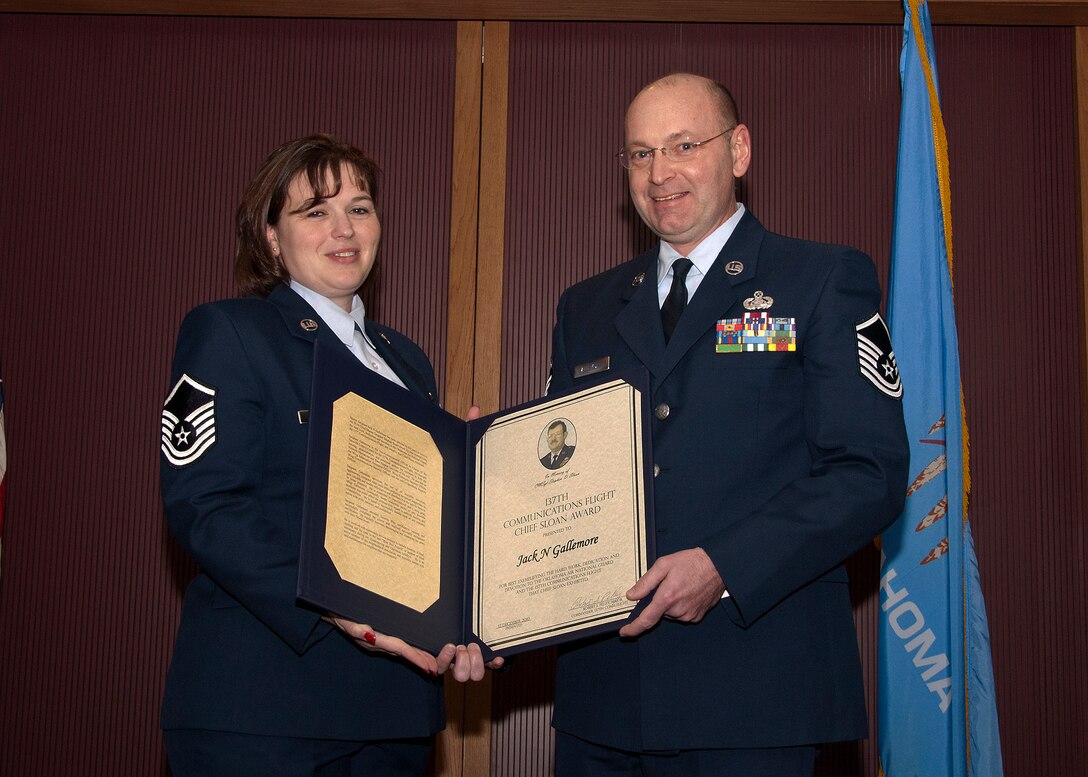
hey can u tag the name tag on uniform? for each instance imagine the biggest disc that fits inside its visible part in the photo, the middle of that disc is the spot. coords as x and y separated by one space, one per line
595 366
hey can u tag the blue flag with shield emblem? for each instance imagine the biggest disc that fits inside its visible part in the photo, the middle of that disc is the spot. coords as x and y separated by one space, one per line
936 707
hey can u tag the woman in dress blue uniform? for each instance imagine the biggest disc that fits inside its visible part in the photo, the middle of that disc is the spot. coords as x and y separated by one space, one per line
257 684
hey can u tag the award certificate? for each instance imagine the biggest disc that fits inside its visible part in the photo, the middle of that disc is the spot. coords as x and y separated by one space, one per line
520 529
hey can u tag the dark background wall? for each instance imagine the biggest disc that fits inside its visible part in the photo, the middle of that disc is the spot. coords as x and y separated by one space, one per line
125 144
125 141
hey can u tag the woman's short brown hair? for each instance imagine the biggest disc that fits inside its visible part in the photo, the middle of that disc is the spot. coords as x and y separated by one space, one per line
257 270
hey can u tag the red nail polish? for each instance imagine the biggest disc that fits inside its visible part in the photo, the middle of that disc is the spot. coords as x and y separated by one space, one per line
369 637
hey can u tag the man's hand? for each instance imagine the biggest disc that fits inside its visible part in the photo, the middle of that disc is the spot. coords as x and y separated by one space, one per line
368 639
687 584
467 662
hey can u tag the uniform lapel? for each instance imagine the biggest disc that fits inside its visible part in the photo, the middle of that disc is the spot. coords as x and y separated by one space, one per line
408 374
300 319
639 322
715 294
297 314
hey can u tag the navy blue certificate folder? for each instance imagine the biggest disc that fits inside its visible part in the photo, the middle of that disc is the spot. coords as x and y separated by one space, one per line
337 374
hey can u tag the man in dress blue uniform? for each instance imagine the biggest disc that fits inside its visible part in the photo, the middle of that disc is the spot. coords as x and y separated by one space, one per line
779 451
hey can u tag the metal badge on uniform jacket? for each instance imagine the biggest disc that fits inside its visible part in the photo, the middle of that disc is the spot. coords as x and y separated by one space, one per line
758 301
876 360
188 422
756 332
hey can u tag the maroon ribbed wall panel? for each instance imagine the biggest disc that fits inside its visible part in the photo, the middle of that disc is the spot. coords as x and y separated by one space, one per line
823 106
125 144
1009 98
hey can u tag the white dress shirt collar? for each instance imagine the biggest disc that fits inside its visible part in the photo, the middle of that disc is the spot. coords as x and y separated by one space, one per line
702 256
344 324
335 317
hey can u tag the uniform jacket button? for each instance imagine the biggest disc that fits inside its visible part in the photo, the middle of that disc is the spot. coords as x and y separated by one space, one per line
661 411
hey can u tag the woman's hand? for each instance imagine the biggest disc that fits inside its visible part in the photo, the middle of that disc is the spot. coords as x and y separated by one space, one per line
368 639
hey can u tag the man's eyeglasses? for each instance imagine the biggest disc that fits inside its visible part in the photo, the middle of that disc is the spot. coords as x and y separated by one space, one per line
639 158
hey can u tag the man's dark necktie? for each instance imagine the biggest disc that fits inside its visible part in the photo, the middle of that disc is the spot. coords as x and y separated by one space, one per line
678 297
